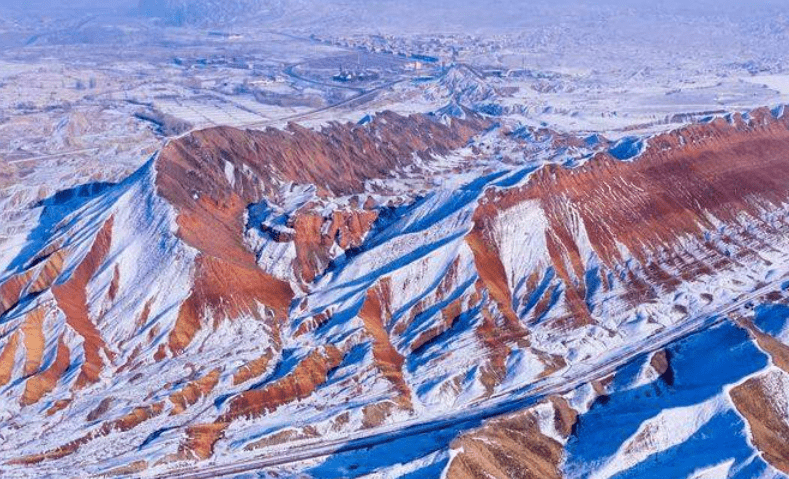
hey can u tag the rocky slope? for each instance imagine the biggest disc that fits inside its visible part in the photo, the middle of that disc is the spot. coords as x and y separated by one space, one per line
248 294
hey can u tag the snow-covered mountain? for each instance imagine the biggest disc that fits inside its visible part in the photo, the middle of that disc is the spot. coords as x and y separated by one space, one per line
394 300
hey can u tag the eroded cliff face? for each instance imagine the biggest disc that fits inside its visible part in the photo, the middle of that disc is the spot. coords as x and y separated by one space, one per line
248 290
338 159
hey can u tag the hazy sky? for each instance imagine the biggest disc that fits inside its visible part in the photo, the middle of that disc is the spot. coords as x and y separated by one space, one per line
43 5
671 4
463 13
72 3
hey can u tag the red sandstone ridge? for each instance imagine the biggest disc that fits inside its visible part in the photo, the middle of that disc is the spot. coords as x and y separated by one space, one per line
212 175
337 158
429 305
683 182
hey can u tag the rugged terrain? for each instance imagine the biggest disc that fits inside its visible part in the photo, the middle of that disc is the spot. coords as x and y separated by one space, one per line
396 298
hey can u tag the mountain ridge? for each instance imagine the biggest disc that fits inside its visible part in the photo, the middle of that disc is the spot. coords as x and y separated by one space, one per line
267 298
